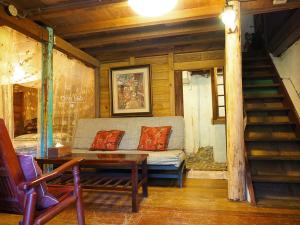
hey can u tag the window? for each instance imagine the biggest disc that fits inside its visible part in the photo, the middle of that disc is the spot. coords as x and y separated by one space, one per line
218 95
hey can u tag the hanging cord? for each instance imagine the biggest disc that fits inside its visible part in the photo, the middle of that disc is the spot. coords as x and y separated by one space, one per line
297 92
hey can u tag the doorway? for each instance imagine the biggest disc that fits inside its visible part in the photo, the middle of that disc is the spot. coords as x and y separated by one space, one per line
25 108
200 98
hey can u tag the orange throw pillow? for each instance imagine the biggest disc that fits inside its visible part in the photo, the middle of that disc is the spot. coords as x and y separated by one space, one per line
154 138
107 140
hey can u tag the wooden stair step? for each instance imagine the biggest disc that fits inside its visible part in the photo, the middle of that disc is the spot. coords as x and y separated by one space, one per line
268 109
254 53
263 104
289 203
253 120
280 151
271 139
283 191
258 76
253 58
268 156
269 123
261 85
276 179
259 66
282 195
263 96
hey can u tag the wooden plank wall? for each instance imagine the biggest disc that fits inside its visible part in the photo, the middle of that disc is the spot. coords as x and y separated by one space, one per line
163 67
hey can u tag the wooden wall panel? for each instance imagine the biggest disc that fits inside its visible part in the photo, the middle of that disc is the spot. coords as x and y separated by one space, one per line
198 56
162 68
104 86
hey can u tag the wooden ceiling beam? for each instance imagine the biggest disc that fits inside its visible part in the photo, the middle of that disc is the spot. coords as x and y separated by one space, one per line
63 9
39 33
149 33
267 6
120 55
24 26
162 42
66 7
134 21
77 53
208 9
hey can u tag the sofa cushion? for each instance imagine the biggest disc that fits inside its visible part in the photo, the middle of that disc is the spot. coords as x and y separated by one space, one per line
107 140
170 157
32 171
87 128
154 138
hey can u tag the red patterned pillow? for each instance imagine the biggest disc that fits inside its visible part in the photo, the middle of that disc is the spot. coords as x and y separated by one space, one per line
154 138
107 140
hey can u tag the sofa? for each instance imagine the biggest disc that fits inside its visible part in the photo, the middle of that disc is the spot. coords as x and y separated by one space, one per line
161 164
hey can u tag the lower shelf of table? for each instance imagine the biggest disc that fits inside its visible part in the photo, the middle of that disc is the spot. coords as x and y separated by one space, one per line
96 181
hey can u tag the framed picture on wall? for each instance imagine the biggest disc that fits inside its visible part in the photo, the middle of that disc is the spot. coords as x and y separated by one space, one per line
130 91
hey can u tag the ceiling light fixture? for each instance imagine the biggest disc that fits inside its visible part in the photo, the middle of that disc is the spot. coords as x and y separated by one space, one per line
228 17
12 10
152 8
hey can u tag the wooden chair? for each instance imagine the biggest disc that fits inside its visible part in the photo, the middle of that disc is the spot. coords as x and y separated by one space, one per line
19 197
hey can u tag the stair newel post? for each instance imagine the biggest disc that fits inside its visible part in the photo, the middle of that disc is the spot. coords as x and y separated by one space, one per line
234 109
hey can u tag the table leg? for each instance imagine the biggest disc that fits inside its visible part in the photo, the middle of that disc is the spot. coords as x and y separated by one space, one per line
134 181
145 178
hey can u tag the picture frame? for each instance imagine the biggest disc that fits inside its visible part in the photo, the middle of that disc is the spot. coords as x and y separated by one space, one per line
130 91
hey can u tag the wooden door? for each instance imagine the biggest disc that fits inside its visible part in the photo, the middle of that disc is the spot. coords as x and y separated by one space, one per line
18 113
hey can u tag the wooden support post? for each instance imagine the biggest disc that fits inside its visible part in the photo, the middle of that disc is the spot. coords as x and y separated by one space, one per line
46 120
171 83
43 108
234 110
49 65
97 92
179 110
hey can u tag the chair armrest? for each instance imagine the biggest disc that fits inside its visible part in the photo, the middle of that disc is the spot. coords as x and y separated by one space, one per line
55 173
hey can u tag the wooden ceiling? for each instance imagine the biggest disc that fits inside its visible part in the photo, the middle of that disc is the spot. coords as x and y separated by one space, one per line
111 30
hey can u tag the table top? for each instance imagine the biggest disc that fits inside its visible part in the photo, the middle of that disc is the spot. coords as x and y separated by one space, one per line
94 158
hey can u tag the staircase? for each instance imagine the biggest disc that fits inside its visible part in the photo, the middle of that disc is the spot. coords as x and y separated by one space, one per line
272 135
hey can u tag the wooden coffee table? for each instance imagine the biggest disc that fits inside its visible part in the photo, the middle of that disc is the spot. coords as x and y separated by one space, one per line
92 180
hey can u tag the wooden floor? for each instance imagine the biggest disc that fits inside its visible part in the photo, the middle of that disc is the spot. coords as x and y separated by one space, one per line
199 202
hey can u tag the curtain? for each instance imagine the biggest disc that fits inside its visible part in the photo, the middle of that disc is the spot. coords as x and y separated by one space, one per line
20 63
6 88
73 96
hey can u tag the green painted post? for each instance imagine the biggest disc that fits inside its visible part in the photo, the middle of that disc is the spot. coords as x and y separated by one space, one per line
43 102
50 87
46 120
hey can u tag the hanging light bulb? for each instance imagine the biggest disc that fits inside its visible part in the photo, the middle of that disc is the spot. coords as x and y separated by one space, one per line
228 17
152 8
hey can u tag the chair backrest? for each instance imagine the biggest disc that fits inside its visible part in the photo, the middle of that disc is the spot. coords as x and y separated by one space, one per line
11 175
